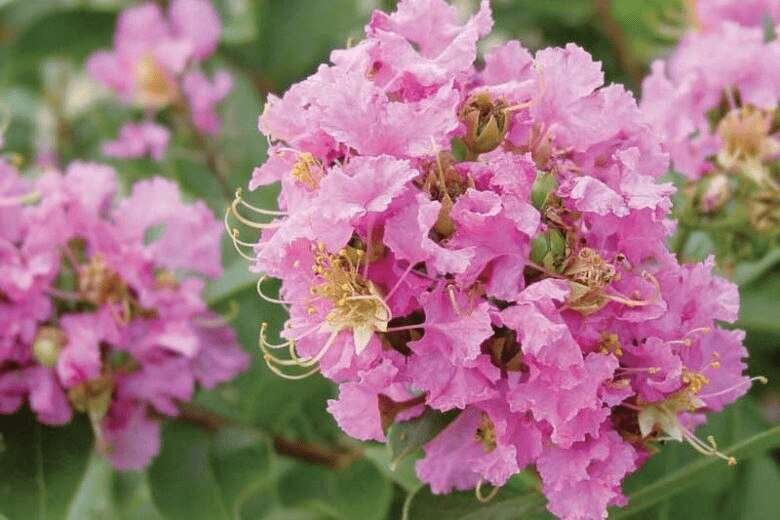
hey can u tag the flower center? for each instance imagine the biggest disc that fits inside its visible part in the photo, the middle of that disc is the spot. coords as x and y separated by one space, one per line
486 433
745 135
154 87
356 301
99 284
307 171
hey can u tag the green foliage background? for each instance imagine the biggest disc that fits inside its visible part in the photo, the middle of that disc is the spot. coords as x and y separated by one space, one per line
243 458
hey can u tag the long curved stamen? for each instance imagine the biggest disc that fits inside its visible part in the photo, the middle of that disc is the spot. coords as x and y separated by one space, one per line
261 211
710 448
267 298
234 233
274 363
251 223
761 379
485 498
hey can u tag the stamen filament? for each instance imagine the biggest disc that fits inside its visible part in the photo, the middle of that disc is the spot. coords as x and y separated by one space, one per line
267 298
399 281
250 223
485 498
761 379
261 211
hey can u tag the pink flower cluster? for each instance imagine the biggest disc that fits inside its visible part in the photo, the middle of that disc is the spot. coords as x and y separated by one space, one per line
100 304
714 99
491 241
155 64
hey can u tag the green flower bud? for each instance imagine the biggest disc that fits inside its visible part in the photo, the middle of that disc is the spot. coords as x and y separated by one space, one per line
549 250
543 188
47 345
486 123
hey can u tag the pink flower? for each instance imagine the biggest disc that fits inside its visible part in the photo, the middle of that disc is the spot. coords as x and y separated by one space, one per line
105 315
154 64
750 13
203 95
137 140
489 243
581 481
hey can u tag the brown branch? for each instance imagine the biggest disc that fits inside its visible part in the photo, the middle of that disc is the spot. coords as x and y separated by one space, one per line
617 38
314 453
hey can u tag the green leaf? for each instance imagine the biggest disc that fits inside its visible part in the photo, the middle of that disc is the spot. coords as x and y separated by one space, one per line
242 461
748 272
508 504
402 473
225 474
404 438
359 492
67 33
677 481
758 311
41 467
182 478
235 279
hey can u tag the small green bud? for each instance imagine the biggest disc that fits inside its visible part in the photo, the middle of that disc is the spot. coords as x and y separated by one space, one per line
544 186
486 123
47 345
549 249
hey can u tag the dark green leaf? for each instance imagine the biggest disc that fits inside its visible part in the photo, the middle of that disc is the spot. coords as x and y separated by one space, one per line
508 504
679 480
358 492
404 438
41 467
182 478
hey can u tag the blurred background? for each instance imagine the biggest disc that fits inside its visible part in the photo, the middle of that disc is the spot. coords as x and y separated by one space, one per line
261 446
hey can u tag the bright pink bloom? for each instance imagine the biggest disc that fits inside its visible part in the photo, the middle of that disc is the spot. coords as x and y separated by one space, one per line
491 243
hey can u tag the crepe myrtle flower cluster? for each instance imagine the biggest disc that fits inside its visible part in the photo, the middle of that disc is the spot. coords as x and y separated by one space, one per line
100 305
156 64
719 121
490 241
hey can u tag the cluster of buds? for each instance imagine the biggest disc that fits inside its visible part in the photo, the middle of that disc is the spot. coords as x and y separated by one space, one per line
489 242
101 308
155 65
719 121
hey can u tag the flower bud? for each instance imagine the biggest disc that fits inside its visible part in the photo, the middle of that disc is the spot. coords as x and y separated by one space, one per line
486 123
717 192
549 250
93 396
47 345
544 187
764 212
